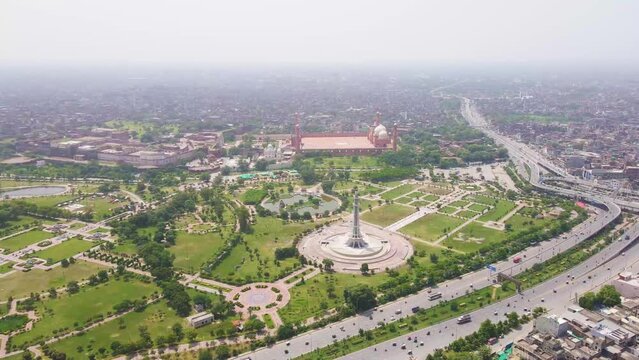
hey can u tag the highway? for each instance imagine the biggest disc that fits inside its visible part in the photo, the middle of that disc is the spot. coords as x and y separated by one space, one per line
308 341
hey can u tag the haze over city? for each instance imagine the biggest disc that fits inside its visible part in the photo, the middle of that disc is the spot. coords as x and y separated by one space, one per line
353 180
288 31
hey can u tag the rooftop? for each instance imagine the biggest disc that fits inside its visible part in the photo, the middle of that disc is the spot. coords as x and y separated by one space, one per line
336 143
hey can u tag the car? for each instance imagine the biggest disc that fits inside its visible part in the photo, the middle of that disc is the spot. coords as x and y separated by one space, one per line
306 343
496 313
285 351
554 290
415 309
398 311
410 352
394 344
403 346
288 344
421 343
334 336
542 300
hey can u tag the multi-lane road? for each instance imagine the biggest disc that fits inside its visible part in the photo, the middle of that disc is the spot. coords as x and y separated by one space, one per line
555 292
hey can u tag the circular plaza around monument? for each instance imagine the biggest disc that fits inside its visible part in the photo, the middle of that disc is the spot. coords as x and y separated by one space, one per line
350 243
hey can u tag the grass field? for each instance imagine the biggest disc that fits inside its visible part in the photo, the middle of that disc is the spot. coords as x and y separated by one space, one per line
50 200
312 298
436 190
101 207
474 236
269 233
12 323
467 214
268 320
430 197
448 210
158 318
459 203
403 200
6 267
398 191
343 162
18 242
387 214
478 207
363 189
71 311
431 227
193 250
21 284
126 248
500 210
63 250
420 203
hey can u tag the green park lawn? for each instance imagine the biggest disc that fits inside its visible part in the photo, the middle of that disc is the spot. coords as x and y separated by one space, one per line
126 248
6 267
387 214
500 210
398 191
436 190
12 323
193 250
474 236
50 200
447 210
158 318
403 200
256 264
467 214
431 227
415 195
430 197
363 189
459 203
63 250
519 222
23 240
478 207
423 252
312 298
70 311
101 207
21 284
343 162
420 203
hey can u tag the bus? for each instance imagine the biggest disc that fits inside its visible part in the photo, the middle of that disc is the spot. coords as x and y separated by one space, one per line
434 296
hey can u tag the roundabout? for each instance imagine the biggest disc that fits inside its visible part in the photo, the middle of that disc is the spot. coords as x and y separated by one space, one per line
351 244
259 298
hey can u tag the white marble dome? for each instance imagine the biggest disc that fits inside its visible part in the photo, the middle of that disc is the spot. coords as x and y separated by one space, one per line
380 129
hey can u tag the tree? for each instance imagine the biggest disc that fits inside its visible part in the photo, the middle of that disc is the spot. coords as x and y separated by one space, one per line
205 177
261 165
103 276
222 352
64 263
328 264
285 331
73 287
360 297
205 355
364 268
53 293
178 331
608 296
588 300
242 214
254 324
177 297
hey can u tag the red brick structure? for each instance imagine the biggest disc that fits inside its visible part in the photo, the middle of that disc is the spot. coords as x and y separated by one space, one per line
376 141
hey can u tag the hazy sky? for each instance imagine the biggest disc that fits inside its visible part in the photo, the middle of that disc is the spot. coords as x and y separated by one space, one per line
332 31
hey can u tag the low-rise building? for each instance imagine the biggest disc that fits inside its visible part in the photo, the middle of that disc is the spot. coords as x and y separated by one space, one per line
200 319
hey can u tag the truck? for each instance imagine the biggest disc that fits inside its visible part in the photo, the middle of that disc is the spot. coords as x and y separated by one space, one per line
463 319
517 259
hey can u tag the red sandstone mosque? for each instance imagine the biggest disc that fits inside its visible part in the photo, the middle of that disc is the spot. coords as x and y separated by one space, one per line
376 141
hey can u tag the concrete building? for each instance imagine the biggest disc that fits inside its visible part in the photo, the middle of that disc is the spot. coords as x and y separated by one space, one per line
551 325
627 285
200 319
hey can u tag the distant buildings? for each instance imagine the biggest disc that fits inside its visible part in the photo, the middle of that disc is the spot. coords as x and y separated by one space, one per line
110 145
376 141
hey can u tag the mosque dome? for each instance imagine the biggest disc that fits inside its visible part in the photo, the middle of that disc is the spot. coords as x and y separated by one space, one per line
382 135
379 130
